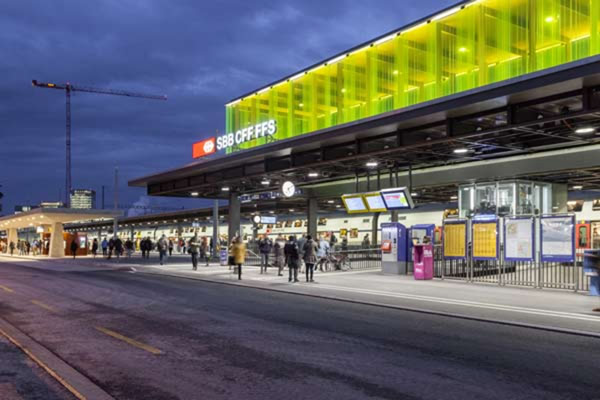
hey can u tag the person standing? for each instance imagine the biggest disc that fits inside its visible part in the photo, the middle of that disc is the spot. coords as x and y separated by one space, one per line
170 247
111 247
74 246
264 247
118 247
95 247
238 251
104 247
309 251
205 250
11 247
162 246
194 247
366 243
345 243
292 256
279 254
129 247
322 253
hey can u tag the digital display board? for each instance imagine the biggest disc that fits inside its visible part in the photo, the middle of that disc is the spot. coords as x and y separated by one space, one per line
375 202
268 219
397 199
354 203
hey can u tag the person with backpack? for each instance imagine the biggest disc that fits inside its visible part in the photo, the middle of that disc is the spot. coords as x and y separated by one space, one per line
309 251
292 256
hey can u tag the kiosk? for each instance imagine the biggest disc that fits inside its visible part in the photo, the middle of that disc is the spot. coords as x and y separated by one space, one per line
423 261
394 248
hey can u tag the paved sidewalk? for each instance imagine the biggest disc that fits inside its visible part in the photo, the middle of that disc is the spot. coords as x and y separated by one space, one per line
545 308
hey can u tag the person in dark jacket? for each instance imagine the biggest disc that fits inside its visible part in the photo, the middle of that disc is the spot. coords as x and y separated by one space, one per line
118 247
309 252
292 256
264 246
95 247
74 247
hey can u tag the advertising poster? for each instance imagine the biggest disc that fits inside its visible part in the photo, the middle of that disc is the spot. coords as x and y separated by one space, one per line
455 240
518 239
485 240
558 238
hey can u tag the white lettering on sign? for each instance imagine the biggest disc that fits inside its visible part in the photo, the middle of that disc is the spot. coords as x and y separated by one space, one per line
267 128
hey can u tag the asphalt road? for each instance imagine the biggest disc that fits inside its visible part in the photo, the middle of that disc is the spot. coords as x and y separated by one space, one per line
155 337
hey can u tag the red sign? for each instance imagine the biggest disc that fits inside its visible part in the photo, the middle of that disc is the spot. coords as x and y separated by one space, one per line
204 148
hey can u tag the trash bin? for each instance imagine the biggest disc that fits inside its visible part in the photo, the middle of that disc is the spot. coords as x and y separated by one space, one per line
423 261
223 257
591 266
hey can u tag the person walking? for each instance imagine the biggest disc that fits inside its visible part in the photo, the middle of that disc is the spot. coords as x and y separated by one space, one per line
292 256
300 243
309 251
118 247
279 254
104 247
170 247
194 246
264 247
95 247
111 248
322 253
205 250
11 247
129 247
238 251
149 246
162 246
366 242
74 246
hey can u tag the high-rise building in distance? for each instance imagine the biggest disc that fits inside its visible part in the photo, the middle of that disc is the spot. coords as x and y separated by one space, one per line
83 199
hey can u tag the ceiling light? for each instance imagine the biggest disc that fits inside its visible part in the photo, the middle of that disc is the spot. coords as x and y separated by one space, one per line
343 90
338 206
301 105
313 174
225 189
577 187
331 201
550 19
292 210
271 212
454 198
395 72
372 164
462 49
414 194
461 151
195 194
587 129
265 182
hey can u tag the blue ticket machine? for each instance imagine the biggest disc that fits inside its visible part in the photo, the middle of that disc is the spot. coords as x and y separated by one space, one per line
416 233
591 268
394 248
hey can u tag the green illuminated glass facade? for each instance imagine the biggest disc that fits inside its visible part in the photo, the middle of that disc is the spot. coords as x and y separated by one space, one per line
479 43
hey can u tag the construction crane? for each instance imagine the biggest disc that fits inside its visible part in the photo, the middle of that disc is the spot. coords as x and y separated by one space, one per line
68 88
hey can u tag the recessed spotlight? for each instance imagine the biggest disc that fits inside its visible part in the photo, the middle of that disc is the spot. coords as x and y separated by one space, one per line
587 129
301 105
461 151
462 49
225 189
395 72
550 19
372 164
313 174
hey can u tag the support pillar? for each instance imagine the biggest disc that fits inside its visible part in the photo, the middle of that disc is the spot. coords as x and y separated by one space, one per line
313 211
115 227
394 216
132 234
233 228
375 229
13 236
99 236
215 233
57 241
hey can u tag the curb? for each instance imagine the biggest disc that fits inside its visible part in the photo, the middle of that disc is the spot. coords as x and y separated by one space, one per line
394 307
76 383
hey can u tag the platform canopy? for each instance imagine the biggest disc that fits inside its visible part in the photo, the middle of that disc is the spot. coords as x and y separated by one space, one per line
49 216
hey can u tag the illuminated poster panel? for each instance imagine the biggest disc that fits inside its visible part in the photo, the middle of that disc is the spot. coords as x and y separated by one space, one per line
558 238
354 204
455 240
375 202
519 242
485 240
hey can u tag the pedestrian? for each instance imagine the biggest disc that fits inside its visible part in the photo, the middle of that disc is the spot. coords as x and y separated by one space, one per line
194 247
309 251
292 256
279 254
129 247
366 242
238 250
332 240
95 247
162 246
170 247
264 247
74 246
149 246
111 248
118 247
27 246
345 243
104 247
322 253
11 246
205 250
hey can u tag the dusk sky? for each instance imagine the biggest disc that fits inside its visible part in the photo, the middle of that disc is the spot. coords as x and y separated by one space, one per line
200 54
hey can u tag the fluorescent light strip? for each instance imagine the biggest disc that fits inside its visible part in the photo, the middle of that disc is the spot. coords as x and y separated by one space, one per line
446 13
384 39
336 59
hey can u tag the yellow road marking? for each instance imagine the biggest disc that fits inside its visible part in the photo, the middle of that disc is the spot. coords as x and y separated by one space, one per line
130 341
43 305
6 289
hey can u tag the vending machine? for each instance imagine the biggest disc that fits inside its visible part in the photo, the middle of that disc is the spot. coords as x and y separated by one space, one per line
394 248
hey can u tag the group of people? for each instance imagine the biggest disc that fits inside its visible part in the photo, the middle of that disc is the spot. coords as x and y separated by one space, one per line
25 247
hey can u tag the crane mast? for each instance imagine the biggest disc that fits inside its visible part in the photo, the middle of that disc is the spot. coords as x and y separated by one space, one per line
68 88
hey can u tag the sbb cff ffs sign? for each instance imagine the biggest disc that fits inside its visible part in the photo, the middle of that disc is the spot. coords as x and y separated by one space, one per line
204 148
209 146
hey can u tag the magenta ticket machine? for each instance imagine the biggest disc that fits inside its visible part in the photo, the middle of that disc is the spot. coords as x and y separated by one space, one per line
423 261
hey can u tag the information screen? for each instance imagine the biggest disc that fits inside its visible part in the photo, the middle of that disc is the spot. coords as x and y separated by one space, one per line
375 202
396 199
355 204
268 219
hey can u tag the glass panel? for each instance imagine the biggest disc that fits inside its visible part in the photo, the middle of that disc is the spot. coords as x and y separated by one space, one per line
485 199
466 196
506 199
483 42
525 201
